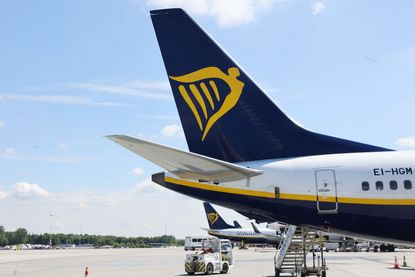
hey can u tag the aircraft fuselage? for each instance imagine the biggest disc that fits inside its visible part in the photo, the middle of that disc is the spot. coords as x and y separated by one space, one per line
365 195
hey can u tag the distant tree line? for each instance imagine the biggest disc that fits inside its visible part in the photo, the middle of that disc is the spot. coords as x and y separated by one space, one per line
21 236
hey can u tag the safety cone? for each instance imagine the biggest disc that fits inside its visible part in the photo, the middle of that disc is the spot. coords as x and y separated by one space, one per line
396 266
86 272
404 262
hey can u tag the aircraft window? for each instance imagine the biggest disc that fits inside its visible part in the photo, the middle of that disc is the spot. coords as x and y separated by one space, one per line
407 184
379 185
365 186
393 185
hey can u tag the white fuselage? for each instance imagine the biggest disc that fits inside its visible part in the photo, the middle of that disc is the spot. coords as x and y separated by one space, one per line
298 175
365 195
266 235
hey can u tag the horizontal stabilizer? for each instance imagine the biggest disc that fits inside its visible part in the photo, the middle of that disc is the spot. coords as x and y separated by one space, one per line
183 164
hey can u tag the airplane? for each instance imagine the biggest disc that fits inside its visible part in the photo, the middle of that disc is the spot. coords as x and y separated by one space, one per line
246 154
220 229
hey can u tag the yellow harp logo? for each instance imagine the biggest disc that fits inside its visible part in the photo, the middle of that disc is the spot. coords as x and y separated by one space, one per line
212 217
212 105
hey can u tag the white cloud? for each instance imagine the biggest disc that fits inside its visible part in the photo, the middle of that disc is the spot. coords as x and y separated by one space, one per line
151 85
227 13
156 116
172 131
409 52
55 99
62 145
83 205
408 142
146 186
10 152
154 207
318 7
65 99
24 190
137 171
3 195
2 124
118 89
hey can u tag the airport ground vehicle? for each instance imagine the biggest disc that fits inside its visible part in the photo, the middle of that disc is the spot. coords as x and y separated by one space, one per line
216 256
193 243
382 247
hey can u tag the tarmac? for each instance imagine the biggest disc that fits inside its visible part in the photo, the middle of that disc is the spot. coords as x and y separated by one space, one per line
170 262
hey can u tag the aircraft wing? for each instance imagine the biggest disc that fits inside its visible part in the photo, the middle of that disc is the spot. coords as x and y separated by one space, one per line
183 164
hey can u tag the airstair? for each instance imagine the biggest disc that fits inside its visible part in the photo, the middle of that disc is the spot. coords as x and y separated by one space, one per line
290 258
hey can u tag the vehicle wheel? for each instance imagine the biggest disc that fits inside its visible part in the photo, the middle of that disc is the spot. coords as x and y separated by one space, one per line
304 272
277 272
323 274
391 248
209 269
190 273
225 268
382 248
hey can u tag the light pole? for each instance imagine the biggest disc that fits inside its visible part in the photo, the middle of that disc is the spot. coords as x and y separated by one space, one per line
80 235
50 230
165 233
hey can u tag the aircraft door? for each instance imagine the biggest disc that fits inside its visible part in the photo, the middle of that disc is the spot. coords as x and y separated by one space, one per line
326 191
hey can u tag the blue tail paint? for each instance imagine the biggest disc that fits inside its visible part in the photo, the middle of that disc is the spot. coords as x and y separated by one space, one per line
215 221
224 114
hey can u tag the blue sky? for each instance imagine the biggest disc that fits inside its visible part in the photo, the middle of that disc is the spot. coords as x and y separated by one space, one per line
72 72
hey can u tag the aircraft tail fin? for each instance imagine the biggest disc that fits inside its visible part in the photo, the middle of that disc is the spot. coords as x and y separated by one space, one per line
215 221
255 228
236 224
225 115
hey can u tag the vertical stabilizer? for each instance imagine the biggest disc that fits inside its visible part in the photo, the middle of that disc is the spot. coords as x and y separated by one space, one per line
225 115
215 221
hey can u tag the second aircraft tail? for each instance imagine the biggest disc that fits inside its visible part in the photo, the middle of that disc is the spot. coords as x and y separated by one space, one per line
215 221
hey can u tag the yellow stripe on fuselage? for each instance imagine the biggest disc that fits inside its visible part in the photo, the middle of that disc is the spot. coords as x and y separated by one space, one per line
289 196
247 192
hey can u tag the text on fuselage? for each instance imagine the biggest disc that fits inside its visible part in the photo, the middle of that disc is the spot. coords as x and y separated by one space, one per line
392 171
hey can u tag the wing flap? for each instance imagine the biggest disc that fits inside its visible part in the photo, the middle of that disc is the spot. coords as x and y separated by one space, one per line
185 165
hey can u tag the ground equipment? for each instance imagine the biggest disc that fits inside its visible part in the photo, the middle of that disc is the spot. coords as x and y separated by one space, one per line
216 256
